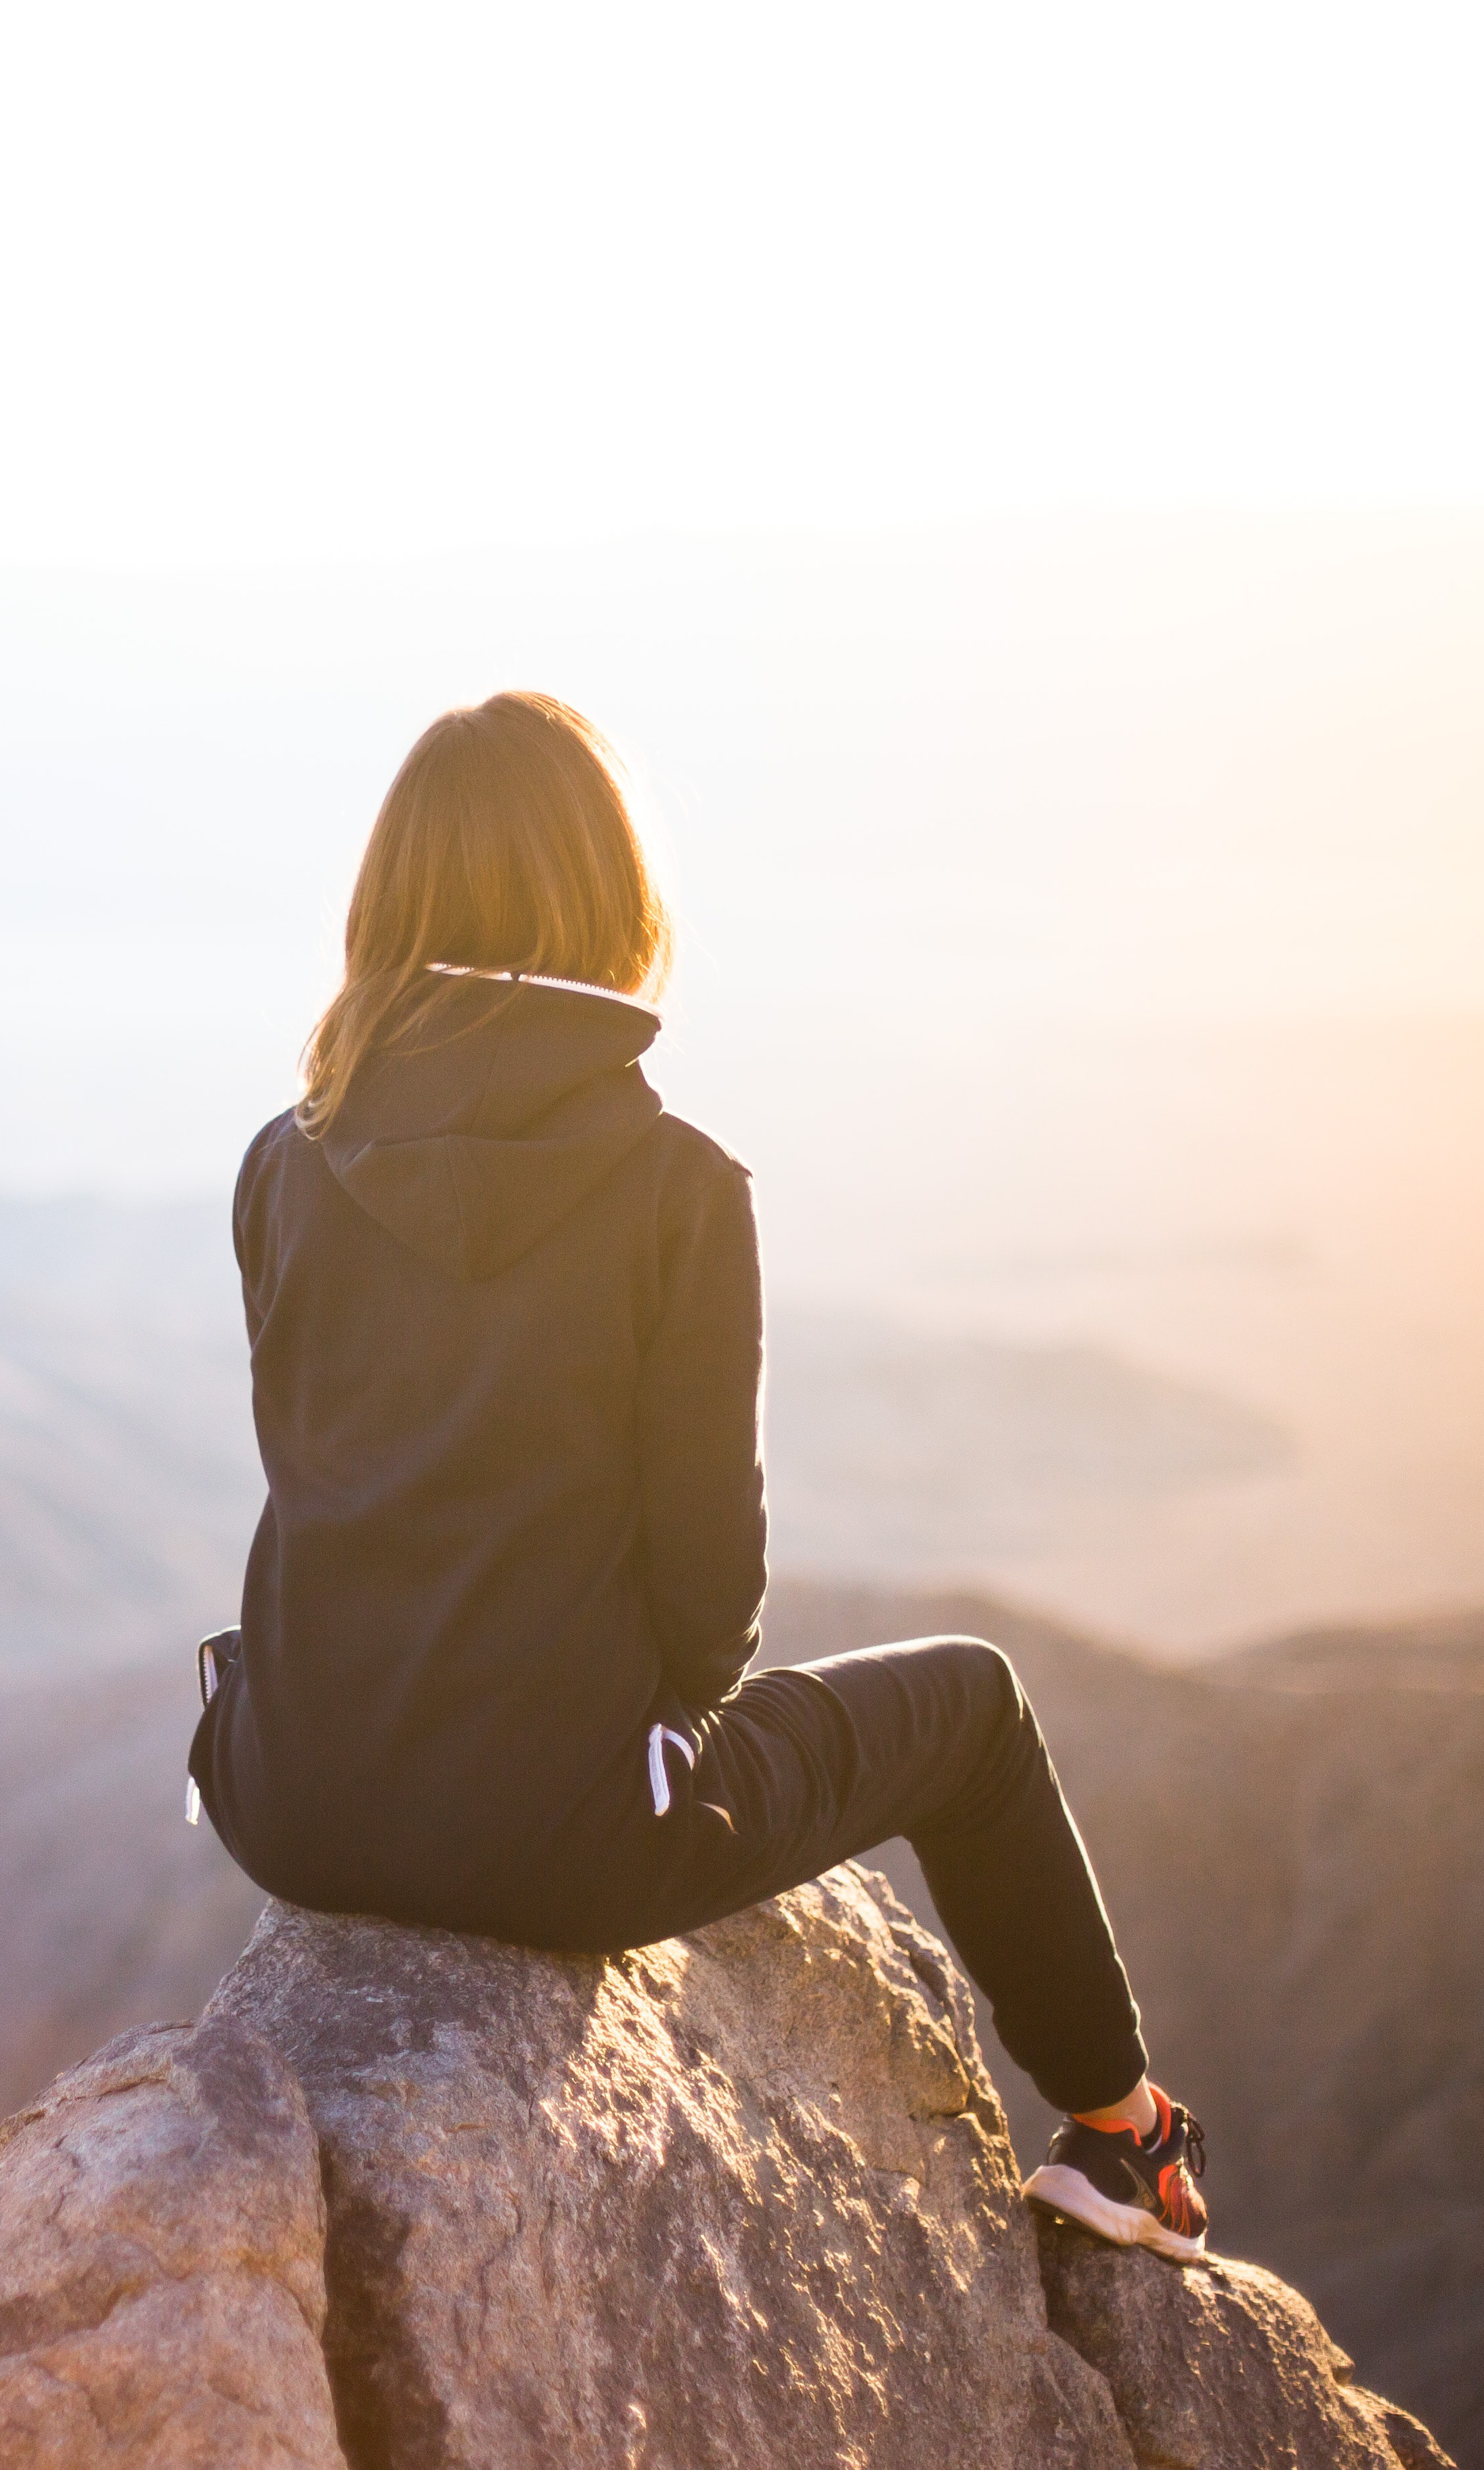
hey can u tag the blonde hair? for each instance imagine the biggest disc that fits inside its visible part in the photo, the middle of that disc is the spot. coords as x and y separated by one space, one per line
506 842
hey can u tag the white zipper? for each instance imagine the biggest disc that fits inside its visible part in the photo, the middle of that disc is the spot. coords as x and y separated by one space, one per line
659 1780
532 978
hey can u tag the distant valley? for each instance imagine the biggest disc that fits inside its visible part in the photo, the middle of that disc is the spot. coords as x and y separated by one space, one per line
130 1481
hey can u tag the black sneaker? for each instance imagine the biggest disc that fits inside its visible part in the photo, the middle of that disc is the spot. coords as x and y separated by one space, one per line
1138 2195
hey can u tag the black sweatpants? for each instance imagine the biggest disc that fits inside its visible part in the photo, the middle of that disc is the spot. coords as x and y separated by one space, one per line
811 1764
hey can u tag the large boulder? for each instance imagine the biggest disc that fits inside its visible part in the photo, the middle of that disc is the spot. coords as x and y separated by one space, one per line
742 2199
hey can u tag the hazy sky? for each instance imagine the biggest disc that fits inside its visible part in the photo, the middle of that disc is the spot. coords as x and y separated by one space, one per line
310 311
319 279
1013 475
915 788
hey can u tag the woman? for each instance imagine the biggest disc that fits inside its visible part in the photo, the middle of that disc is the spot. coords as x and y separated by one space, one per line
506 1330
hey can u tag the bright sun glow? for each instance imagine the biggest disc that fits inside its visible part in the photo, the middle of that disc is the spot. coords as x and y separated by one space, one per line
317 280
1014 477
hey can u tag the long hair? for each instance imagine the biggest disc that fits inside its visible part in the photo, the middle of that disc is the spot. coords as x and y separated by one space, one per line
506 842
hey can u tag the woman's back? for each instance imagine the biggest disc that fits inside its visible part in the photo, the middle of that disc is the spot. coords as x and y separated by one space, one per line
492 1545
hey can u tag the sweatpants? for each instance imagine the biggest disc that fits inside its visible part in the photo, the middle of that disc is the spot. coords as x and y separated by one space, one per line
811 1764
694 1817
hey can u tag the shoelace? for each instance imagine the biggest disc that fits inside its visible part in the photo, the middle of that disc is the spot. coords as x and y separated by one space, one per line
1195 2143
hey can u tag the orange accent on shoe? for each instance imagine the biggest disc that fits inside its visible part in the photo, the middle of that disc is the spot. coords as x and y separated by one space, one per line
1183 2208
1108 2126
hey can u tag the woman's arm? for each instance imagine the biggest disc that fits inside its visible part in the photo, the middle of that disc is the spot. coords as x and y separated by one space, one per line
703 1517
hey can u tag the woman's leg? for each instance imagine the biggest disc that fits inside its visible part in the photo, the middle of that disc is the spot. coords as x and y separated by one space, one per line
934 1741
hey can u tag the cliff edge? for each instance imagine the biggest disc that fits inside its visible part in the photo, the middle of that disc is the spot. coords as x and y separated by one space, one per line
404 2200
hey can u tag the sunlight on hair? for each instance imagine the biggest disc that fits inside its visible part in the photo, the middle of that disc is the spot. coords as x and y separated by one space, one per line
507 844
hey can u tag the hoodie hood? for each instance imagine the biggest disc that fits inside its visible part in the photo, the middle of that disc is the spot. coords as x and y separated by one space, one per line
525 1095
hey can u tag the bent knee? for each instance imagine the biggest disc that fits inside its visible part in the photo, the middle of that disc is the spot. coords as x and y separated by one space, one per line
987 1676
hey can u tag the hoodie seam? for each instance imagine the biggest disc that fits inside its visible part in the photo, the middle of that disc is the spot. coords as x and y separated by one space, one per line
496 1044
719 1165
446 1145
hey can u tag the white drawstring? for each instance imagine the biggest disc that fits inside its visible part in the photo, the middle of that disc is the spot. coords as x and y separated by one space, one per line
210 1678
659 1780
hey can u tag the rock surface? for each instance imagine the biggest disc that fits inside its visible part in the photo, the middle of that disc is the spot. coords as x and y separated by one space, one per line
162 2291
1218 2366
743 2198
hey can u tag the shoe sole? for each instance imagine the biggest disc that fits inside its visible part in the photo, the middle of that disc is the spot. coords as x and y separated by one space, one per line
1057 2189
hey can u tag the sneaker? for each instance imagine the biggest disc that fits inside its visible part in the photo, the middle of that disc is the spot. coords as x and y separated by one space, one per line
1137 2195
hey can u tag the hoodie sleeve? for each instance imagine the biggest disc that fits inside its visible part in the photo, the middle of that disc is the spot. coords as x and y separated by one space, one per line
704 1520
251 1207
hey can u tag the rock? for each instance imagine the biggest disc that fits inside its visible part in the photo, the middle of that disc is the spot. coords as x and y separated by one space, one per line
1219 2366
740 2202
162 2297
743 2198
1298 1882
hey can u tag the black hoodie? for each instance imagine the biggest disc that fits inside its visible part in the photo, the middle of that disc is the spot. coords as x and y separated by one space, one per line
506 1354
